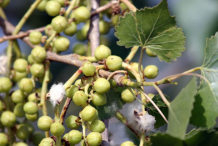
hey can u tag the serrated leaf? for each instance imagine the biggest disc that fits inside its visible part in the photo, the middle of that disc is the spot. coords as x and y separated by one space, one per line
114 103
152 28
164 139
180 110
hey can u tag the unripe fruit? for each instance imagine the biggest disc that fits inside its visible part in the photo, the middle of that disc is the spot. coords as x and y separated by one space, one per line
65 137
33 117
21 144
20 65
3 139
38 54
17 76
123 6
8 119
99 99
151 71
78 82
71 29
127 143
71 91
89 113
44 123
5 84
48 139
136 68
52 8
37 138
59 23
49 30
74 137
30 59
79 49
61 44
41 5
61 2
80 98
26 85
57 129
22 132
114 62
102 52
30 107
149 53
127 96
101 85
82 14
35 37
18 110
4 3
94 139
80 35
97 126
104 27
37 69
88 69
32 97
1 106
115 19
18 96
71 122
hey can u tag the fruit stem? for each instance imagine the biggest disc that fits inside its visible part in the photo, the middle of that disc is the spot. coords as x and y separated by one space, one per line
64 110
86 58
73 78
142 140
84 130
87 89
118 71
57 119
50 39
131 54
162 95
70 7
140 63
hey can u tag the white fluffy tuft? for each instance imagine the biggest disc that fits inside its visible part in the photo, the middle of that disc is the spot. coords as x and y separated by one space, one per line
3 64
57 92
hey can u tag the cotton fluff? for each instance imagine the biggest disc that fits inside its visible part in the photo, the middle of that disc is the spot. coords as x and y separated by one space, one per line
3 64
57 93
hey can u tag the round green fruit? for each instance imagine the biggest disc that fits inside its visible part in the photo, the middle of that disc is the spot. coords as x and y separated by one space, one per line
30 59
57 129
88 69
71 29
44 123
123 6
37 69
101 85
61 44
149 53
59 23
79 49
26 85
32 97
78 82
80 98
5 84
104 27
49 30
52 8
115 19
99 99
17 76
127 143
151 71
71 122
114 62
127 96
22 132
97 126
33 117
8 119
71 91
20 65
41 5
35 37
74 137
65 137
47 142
38 54
89 113
102 52
30 108
80 36
18 110
18 96
20 144
4 3
61 2
82 13
3 139
94 139
37 138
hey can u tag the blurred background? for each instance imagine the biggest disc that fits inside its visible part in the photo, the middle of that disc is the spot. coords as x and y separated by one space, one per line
197 18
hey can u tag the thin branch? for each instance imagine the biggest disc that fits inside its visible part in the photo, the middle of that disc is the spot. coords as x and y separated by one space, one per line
104 7
64 110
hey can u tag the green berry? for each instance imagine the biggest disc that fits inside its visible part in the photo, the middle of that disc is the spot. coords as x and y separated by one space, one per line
20 65
102 52
80 36
78 83
26 85
35 37
97 126
38 54
104 27
115 19
49 30
4 3
71 29
151 71
21 144
8 119
59 23
18 110
79 49
29 126
30 59
32 97
1 106
74 137
18 96
47 142
37 138
127 143
89 113
33 117
127 96
5 84
149 53
99 99
57 129
71 91
52 8
37 69
136 68
123 6
44 123
30 108
65 137
3 139
61 44
71 122
61 2
81 14
17 76
114 62
41 5
94 139
101 85
88 69
80 98
22 132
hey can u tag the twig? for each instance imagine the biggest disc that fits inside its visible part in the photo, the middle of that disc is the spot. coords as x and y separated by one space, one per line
131 54
129 5
64 110
104 7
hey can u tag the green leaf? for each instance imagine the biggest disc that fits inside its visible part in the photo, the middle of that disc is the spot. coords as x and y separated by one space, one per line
153 111
164 139
152 28
114 103
180 110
